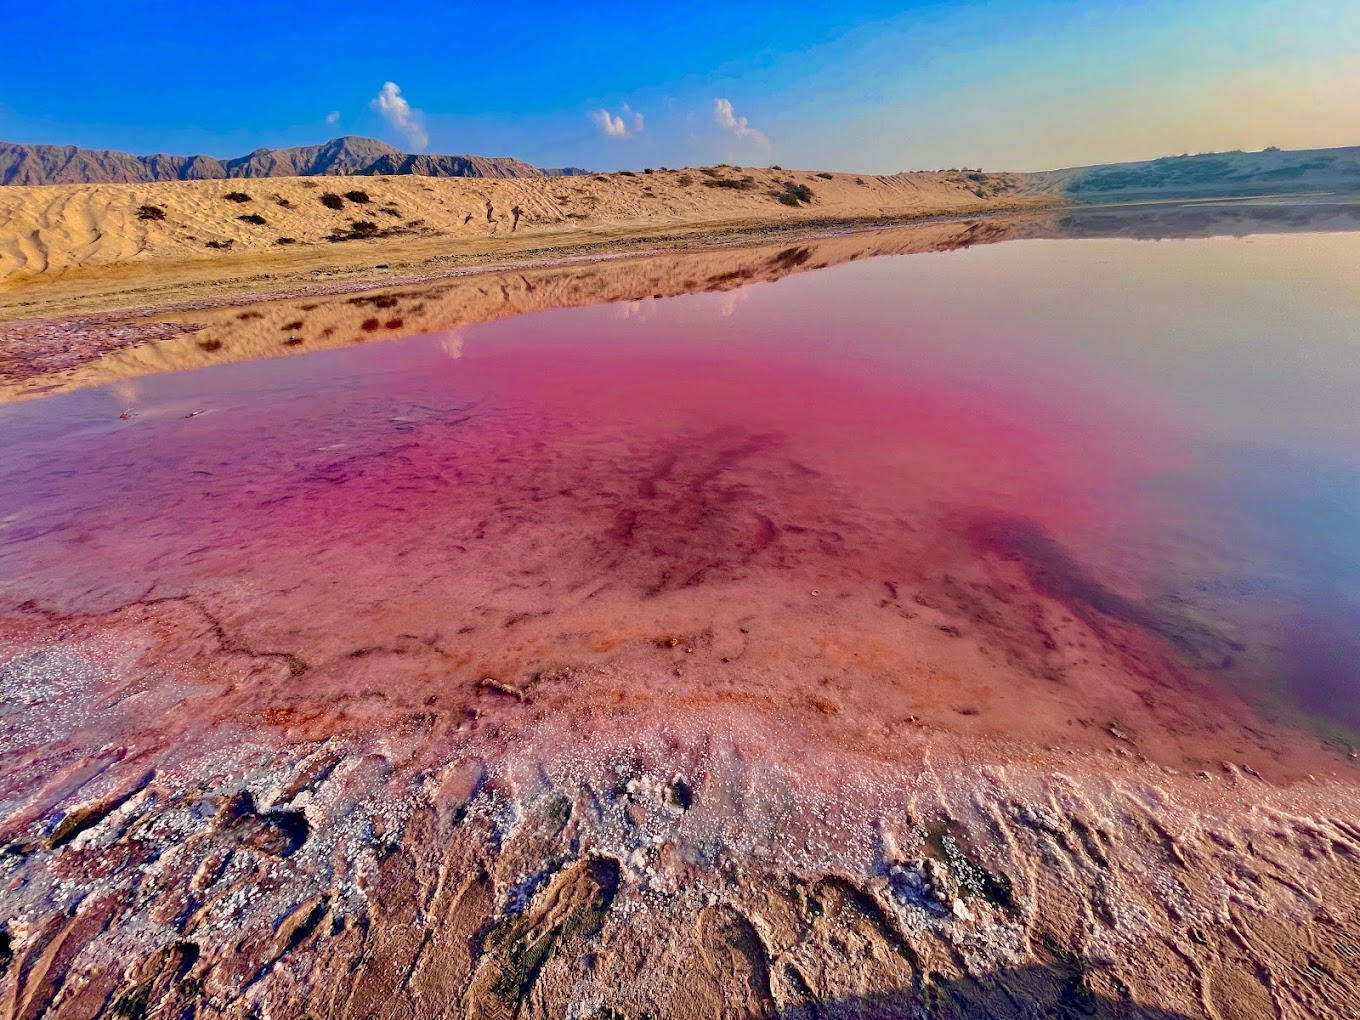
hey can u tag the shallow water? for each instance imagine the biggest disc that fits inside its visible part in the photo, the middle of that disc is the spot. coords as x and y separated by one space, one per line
951 485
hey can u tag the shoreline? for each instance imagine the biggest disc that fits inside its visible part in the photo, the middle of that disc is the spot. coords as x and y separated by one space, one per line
580 252
34 348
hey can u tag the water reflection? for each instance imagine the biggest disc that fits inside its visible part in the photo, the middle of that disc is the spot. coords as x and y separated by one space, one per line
301 325
1036 492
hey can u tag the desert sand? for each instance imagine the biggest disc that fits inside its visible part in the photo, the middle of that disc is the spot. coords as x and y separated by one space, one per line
78 248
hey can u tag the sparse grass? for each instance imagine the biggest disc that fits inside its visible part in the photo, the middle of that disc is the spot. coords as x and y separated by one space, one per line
237 196
254 218
150 212
310 185
827 177
332 201
358 197
685 180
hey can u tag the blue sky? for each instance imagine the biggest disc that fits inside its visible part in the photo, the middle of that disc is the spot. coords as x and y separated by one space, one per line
868 86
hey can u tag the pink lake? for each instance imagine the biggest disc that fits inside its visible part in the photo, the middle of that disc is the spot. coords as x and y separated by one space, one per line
1001 487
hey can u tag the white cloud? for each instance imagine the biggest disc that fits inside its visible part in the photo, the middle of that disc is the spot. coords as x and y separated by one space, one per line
739 126
333 117
625 124
400 116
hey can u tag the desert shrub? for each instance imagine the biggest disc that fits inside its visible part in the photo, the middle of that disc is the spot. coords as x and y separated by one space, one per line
735 184
602 177
221 245
310 185
237 196
776 167
710 171
685 180
254 218
627 173
859 180
827 177
286 240
793 194
293 326
390 210
360 230
358 197
332 201
279 200
648 170
150 212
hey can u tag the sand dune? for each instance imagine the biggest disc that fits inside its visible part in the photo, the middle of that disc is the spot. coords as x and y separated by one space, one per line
68 249
63 228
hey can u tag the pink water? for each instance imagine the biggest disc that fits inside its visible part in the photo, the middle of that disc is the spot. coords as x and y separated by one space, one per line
988 484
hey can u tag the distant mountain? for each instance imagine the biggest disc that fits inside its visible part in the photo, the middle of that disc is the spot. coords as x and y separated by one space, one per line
566 171
1209 175
66 164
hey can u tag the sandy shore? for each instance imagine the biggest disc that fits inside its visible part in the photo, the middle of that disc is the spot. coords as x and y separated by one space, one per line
72 249
47 355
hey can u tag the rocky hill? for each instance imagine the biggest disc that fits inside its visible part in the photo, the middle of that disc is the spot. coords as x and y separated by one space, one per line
1209 175
67 164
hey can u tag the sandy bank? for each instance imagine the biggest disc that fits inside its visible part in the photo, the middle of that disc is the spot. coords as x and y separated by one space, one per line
78 248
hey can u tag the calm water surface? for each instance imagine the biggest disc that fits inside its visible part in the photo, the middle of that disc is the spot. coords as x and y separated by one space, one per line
1161 435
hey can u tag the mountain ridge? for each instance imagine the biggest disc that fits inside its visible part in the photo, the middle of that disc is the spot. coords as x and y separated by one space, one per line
348 155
